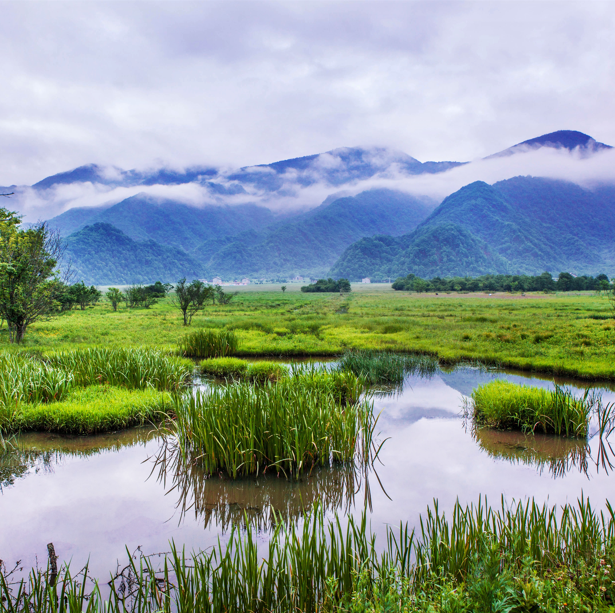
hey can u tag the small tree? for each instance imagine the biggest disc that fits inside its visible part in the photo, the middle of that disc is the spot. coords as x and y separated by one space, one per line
85 296
190 298
283 288
29 283
223 297
114 296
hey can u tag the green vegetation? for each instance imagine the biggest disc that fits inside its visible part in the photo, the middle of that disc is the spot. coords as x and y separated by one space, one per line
507 406
559 334
130 368
99 408
87 390
100 252
224 367
379 367
505 283
209 344
328 285
520 558
288 426
29 284
263 371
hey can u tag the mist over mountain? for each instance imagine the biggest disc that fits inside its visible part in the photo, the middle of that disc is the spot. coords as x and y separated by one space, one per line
525 225
351 212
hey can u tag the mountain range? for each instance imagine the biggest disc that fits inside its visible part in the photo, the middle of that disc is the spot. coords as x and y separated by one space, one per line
264 221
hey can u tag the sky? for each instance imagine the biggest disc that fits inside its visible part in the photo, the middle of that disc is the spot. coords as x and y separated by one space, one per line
144 83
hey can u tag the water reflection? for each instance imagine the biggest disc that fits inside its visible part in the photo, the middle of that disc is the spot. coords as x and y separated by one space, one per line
555 454
262 501
41 451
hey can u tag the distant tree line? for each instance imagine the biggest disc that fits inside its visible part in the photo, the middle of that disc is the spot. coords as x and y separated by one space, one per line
545 282
328 285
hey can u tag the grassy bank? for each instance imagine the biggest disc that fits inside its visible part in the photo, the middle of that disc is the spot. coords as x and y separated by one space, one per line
521 558
86 391
559 335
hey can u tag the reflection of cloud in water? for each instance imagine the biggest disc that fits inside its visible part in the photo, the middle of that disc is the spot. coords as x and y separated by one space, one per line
42 451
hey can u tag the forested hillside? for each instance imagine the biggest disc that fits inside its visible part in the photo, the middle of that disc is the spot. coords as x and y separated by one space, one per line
103 255
523 225
312 242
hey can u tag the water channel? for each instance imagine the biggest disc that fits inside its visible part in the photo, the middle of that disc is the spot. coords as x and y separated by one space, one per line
97 497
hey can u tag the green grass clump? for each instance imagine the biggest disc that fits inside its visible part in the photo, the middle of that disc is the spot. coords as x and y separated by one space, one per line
506 406
260 372
98 408
209 344
224 367
525 557
381 367
132 368
287 426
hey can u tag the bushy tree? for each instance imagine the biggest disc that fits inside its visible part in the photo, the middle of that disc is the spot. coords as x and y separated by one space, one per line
83 295
114 296
190 298
224 297
29 278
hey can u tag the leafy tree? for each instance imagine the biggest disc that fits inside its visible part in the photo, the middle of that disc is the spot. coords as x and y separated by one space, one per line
328 285
29 283
114 296
83 295
190 298
224 297
283 288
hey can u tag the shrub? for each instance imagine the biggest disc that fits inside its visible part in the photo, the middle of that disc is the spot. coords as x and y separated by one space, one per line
209 344
224 367
506 406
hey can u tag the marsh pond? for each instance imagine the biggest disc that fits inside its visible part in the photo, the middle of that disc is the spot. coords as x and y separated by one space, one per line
98 497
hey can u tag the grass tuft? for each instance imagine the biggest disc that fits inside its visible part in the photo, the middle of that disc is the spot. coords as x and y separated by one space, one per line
209 344
381 367
506 406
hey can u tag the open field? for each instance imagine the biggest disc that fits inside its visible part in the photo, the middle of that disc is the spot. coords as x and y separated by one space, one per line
555 334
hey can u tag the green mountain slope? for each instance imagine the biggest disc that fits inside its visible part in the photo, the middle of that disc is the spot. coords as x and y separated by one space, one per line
522 225
144 217
312 242
103 255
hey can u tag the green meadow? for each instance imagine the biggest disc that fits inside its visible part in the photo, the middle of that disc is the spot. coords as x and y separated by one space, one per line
556 334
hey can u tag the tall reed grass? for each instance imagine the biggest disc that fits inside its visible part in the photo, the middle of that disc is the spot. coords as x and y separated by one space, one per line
209 344
288 426
381 367
467 561
130 368
508 406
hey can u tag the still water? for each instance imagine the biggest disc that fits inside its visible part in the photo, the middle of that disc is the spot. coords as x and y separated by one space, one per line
96 497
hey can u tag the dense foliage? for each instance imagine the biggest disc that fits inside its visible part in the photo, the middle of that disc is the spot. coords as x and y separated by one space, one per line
504 283
328 285
29 283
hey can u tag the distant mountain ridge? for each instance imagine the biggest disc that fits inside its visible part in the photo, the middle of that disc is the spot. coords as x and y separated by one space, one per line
524 225
244 227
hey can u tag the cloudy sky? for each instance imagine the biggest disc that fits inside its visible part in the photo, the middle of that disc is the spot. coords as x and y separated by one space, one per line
141 83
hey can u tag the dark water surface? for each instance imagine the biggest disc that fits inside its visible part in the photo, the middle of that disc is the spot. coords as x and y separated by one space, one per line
94 496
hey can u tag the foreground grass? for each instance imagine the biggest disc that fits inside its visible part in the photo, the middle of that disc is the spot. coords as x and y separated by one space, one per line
521 558
557 335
